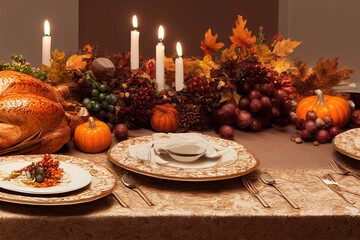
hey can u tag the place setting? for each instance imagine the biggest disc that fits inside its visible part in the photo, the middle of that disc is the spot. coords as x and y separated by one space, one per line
50 180
183 157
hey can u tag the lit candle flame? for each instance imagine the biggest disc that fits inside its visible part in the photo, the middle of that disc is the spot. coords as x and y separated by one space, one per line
135 21
161 33
47 28
179 49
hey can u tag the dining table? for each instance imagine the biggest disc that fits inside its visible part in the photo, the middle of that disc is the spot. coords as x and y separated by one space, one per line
221 209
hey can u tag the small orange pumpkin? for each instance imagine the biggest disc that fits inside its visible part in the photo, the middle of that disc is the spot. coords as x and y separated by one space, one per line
165 118
92 136
324 105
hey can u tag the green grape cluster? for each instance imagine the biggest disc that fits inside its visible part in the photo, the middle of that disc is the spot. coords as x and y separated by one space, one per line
99 99
89 78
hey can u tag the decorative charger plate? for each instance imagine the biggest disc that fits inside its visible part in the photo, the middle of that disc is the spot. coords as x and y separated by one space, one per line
344 143
79 178
102 183
244 164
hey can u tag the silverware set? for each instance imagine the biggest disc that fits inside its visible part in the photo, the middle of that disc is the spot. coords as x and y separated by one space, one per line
269 180
328 179
130 182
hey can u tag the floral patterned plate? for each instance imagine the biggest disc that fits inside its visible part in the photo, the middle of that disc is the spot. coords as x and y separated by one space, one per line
244 164
345 143
79 179
102 183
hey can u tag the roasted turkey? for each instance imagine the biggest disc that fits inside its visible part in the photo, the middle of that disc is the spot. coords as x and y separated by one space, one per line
29 106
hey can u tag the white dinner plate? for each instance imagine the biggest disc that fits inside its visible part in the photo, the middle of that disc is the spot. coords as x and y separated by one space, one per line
79 179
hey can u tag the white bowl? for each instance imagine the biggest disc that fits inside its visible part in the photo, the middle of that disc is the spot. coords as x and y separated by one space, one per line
185 158
188 152
186 149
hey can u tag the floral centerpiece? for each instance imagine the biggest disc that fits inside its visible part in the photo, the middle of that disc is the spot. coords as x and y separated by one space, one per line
251 84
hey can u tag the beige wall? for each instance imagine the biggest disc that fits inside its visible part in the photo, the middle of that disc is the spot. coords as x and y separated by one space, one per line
21 27
328 28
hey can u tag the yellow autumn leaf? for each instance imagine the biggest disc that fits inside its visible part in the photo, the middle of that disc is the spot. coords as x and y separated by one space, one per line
206 65
226 95
285 47
197 67
58 56
57 71
169 71
281 65
208 61
169 64
236 97
192 67
264 54
205 69
228 55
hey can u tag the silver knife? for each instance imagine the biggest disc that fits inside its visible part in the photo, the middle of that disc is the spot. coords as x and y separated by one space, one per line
324 181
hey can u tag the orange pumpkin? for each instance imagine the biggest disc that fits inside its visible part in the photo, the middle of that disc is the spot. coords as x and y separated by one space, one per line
165 118
92 136
324 105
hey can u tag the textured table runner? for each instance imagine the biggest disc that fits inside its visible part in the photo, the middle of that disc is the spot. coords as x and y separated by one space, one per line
209 210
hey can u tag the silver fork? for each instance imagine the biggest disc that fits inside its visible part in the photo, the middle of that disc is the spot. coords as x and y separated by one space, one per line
253 190
339 169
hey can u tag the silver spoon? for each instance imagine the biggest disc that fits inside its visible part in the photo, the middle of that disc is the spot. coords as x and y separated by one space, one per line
130 182
269 180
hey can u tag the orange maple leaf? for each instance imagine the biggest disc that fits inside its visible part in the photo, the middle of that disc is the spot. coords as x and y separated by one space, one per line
209 45
87 48
241 35
77 62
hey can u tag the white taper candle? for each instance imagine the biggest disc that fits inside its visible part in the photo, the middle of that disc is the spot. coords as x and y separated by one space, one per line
46 45
179 69
134 48
160 61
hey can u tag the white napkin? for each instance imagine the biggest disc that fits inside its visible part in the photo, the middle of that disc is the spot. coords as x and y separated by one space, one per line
156 150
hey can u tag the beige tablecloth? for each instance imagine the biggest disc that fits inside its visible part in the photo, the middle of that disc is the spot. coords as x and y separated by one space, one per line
209 210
